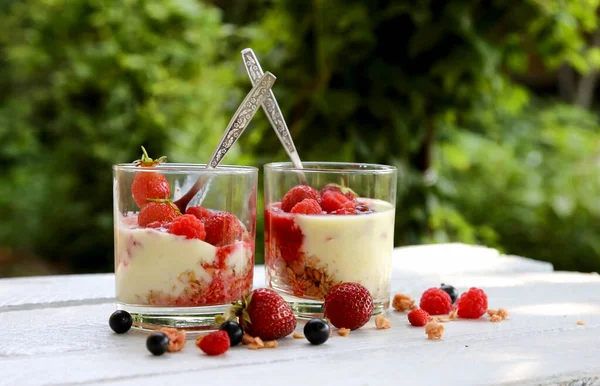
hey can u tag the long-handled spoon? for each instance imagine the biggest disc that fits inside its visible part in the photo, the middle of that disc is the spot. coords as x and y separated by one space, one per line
271 108
234 130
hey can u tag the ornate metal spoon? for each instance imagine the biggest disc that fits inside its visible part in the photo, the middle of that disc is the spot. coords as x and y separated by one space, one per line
234 130
271 108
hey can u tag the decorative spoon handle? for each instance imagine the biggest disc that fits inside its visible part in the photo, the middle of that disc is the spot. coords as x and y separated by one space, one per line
271 107
234 130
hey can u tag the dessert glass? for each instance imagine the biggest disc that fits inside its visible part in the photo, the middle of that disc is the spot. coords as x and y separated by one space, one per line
165 279
307 254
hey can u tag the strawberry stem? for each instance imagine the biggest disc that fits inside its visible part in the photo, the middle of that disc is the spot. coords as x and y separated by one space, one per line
146 161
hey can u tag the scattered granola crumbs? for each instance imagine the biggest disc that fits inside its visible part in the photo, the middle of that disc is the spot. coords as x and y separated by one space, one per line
496 318
503 313
247 339
443 319
343 331
580 323
497 315
297 335
453 314
432 318
271 344
382 323
259 342
434 330
253 346
403 302
176 338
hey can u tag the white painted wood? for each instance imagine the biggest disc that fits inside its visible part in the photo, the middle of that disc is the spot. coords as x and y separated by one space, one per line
410 263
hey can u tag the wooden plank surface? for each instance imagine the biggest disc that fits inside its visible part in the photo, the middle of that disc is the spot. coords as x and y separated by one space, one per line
62 338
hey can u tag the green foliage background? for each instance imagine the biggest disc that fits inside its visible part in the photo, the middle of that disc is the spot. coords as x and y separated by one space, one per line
440 89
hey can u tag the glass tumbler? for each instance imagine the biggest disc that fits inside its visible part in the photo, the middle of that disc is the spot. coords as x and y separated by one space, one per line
181 270
337 226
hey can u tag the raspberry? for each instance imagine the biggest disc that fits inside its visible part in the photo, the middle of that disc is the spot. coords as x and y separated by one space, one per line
215 343
189 226
436 302
332 200
156 211
472 304
200 212
222 228
296 195
418 317
307 206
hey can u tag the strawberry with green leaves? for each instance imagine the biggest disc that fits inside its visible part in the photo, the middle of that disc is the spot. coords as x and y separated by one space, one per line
148 184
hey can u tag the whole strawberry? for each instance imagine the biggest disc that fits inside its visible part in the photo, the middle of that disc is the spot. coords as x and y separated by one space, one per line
162 211
348 305
349 193
264 314
149 184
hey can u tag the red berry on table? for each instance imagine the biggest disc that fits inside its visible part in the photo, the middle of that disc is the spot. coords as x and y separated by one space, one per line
215 343
472 304
418 317
188 226
348 305
200 212
332 201
264 314
149 184
296 195
163 212
222 229
307 206
436 302
349 193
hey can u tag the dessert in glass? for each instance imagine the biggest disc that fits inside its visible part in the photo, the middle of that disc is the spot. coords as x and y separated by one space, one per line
182 267
328 223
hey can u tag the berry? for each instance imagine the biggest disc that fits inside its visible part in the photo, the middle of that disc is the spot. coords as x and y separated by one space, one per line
436 302
149 185
284 233
348 305
316 331
307 206
343 211
349 193
200 212
215 343
453 292
418 317
222 228
157 343
234 331
120 321
363 209
189 226
162 212
472 304
264 314
296 195
332 201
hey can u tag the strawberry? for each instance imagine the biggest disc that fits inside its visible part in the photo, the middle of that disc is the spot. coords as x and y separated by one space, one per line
215 343
263 314
349 193
222 228
307 206
189 226
296 195
348 305
200 212
331 201
149 184
162 211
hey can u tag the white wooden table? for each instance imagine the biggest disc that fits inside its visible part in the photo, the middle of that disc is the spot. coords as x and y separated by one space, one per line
55 332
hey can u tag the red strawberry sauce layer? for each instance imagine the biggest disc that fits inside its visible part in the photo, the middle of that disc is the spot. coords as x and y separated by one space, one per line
286 235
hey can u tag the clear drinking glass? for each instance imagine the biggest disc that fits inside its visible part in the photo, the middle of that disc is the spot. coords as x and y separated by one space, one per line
306 254
164 275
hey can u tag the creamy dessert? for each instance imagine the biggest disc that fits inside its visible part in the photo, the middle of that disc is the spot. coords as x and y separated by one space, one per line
314 241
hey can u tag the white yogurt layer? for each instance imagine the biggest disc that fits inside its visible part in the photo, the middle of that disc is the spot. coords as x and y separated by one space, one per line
356 248
151 260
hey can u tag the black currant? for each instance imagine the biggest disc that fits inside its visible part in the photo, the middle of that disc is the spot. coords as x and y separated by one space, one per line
234 330
157 343
120 321
453 292
316 331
